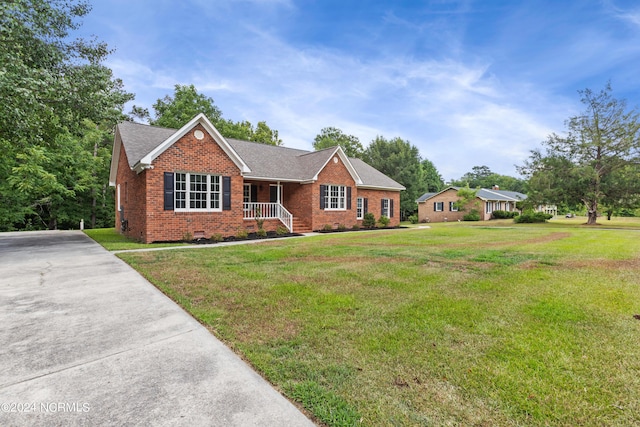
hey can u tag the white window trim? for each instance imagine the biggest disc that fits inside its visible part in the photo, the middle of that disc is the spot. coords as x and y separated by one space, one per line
341 198
187 192
360 208
246 195
441 204
453 207
386 207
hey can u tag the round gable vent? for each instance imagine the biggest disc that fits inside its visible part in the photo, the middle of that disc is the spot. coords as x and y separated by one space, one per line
198 134
335 160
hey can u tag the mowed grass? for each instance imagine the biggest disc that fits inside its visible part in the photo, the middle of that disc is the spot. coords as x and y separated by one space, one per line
111 240
452 325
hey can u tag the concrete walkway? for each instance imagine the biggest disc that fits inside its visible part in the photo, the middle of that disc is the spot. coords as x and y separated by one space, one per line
85 340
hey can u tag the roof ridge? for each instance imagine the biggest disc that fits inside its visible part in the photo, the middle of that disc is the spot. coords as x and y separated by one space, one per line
266 145
498 193
146 124
493 191
319 151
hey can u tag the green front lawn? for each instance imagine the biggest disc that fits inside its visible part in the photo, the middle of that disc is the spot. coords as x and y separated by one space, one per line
114 241
451 325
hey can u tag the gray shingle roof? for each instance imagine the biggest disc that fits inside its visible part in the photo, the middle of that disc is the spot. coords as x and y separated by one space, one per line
372 177
425 196
512 194
500 195
483 193
139 140
265 161
273 162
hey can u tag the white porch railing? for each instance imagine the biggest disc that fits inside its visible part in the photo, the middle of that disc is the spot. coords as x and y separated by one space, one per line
255 210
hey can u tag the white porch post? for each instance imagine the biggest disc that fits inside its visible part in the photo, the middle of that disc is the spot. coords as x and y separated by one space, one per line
278 192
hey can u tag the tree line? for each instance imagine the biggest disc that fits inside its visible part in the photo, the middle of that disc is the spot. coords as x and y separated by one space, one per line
60 105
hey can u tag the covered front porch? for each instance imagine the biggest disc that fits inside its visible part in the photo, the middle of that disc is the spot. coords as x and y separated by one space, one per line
261 210
270 201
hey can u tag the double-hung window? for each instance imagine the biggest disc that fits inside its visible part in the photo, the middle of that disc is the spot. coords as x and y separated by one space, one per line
246 193
438 206
359 208
453 207
335 197
197 192
385 208
181 191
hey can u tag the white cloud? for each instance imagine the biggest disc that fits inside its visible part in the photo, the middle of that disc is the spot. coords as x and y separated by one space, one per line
631 16
301 90
459 112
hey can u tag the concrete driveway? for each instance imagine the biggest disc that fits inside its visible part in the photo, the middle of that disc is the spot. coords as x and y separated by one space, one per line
85 340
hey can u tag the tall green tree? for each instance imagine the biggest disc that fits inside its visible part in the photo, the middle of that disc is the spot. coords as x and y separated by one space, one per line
484 177
247 132
478 176
332 137
176 111
599 145
623 190
69 181
399 160
49 84
432 178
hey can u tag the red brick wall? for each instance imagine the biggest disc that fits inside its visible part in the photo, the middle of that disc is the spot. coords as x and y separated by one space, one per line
374 205
197 156
297 200
132 198
332 174
425 210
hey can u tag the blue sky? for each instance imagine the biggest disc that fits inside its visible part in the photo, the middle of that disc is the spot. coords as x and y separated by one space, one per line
469 83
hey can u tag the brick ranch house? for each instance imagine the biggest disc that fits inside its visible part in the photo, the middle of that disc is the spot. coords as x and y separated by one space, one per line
439 207
194 182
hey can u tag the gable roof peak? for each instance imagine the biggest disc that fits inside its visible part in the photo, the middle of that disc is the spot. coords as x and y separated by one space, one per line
200 119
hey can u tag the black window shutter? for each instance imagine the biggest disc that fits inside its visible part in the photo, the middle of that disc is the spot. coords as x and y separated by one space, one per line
168 191
390 208
226 193
434 206
273 194
348 197
381 206
365 205
254 193
323 193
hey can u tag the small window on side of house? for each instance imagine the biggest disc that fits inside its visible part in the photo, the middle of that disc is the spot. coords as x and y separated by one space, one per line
385 208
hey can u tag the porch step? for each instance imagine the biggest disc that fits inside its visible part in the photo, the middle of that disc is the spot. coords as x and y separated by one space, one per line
300 226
